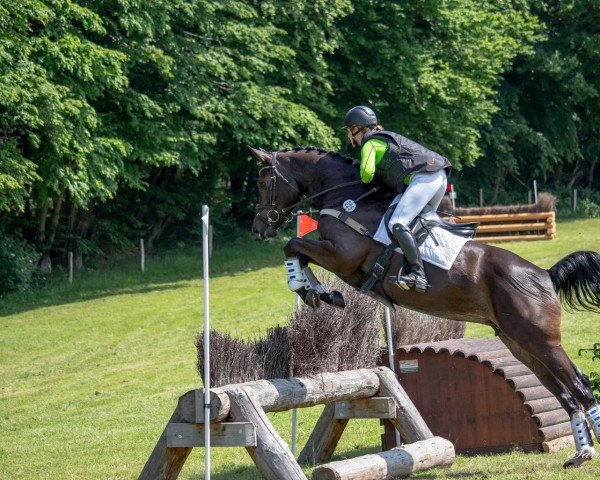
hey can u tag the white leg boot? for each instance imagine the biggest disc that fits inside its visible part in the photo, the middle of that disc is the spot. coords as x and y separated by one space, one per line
583 442
296 277
593 418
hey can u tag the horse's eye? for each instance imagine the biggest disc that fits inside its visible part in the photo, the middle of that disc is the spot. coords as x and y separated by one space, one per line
262 184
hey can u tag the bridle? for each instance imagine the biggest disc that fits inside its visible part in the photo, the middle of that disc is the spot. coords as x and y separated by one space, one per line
273 215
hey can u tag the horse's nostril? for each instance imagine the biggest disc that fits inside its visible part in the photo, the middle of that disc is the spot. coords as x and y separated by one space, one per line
254 230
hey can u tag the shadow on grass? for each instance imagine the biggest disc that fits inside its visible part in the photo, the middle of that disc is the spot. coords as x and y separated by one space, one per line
165 270
70 297
250 472
238 473
445 473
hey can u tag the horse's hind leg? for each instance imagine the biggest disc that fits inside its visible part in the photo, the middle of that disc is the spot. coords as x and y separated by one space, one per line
538 348
583 443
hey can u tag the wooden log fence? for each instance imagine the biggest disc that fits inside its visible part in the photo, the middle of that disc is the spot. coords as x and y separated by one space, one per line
508 227
238 418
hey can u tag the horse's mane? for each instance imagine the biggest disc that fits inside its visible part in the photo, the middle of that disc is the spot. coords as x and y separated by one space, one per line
323 152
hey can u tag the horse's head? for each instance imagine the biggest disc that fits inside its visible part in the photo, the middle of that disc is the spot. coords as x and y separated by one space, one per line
277 190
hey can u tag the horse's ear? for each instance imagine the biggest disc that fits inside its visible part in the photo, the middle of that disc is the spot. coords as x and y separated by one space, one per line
260 154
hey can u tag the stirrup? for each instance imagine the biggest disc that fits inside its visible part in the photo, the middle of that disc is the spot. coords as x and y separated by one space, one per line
412 281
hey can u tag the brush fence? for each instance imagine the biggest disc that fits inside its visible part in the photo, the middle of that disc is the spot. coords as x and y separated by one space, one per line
512 226
238 419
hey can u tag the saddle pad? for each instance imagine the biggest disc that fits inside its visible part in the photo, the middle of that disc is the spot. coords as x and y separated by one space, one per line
442 255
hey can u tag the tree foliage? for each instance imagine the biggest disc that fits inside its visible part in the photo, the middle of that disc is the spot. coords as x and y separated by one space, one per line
118 118
548 124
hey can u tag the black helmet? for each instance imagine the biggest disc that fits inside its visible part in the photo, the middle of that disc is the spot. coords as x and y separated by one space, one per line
360 116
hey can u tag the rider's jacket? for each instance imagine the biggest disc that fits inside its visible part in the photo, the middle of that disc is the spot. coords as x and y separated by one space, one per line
404 157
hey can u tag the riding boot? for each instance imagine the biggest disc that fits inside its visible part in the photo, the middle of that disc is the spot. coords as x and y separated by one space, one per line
416 277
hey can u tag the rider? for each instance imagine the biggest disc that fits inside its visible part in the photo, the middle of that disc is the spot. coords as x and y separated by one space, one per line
409 168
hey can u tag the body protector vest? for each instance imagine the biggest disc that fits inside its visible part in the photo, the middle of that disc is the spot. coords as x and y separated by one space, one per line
404 157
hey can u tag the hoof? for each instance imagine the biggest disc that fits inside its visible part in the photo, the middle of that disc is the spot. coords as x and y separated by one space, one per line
334 298
310 297
585 454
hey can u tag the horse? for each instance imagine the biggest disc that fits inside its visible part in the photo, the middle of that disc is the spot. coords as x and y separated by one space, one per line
486 284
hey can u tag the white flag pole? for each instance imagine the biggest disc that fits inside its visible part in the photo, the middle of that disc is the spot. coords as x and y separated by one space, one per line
205 255
390 345
294 410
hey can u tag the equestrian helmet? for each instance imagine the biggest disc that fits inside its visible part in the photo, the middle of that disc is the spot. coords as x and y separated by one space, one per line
360 116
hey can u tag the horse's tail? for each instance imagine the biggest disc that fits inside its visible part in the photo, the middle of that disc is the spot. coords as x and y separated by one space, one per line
576 279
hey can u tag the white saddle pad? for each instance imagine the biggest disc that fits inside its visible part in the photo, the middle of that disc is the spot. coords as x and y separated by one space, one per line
442 255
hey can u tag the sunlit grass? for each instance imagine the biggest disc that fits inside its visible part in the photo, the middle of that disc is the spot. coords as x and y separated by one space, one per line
91 372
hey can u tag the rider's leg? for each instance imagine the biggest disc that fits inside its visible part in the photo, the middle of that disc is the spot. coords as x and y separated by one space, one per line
425 188
416 277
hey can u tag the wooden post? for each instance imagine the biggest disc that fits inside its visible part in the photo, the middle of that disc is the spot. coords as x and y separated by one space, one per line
142 256
408 421
529 197
559 443
165 463
395 463
575 200
272 457
191 406
535 192
376 407
324 437
70 267
225 434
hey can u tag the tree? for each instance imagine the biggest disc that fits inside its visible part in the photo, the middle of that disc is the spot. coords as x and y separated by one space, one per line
548 128
430 68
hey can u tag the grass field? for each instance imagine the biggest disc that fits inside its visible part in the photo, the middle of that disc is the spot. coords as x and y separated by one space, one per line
91 372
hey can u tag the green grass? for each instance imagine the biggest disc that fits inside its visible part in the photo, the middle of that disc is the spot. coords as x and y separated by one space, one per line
91 372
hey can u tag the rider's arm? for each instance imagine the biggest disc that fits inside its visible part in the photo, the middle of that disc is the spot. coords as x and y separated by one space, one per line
370 154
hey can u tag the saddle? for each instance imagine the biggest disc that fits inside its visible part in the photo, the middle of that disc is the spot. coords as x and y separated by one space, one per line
421 228
428 219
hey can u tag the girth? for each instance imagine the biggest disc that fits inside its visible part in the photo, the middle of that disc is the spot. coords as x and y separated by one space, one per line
382 263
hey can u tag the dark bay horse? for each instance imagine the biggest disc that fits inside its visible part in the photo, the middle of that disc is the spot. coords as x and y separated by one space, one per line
486 284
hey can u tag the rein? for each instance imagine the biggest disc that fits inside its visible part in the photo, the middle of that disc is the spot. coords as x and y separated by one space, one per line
273 214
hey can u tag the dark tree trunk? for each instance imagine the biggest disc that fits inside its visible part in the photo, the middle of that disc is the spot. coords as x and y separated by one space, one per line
163 220
157 230
590 179
244 194
497 185
576 175
41 233
83 224
45 263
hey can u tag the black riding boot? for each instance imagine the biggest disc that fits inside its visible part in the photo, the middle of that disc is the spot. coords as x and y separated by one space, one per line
416 278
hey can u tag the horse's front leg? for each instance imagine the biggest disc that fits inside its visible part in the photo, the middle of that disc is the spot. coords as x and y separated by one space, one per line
301 278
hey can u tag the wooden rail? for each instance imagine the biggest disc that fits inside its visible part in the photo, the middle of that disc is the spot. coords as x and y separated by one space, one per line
509 227
238 418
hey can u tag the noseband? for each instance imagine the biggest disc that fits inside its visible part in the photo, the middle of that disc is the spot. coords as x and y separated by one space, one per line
273 214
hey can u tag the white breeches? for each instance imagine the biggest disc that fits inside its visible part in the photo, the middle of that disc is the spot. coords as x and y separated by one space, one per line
425 188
